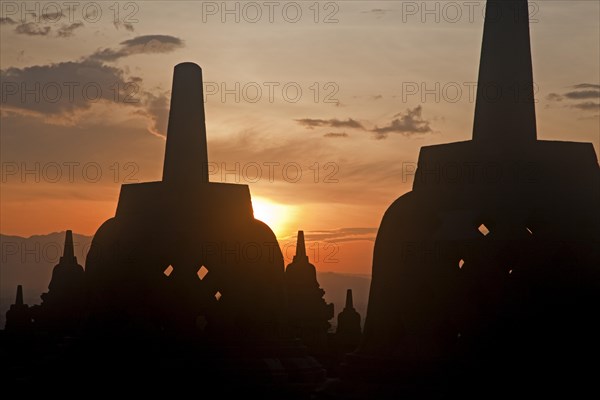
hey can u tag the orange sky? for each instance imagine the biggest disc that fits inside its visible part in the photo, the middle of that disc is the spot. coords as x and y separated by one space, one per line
329 110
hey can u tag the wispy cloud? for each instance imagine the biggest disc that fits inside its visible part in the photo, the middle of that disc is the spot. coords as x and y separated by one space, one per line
336 135
147 44
32 29
7 21
583 91
408 123
332 123
69 30
586 86
338 235
587 106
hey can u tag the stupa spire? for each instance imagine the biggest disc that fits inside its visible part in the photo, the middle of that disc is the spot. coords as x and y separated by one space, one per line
186 157
19 298
300 247
505 108
68 256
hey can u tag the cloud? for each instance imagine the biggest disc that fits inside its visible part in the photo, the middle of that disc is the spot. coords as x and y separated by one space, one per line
407 124
587 106
52 16
68 30
32 29
157 111
586 86
583 94
126 25
584 91
60 88
377 11
61 91
554 97
332 123
338 235
147 44
7 21
335 135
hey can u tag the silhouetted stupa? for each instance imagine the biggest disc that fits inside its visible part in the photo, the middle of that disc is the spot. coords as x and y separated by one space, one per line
63 306
308 313
199 259
184 267
18 317
348 332
490 267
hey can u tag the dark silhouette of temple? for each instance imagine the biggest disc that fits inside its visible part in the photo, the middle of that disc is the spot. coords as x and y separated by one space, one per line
200 261
308 314
348 332
18 317
486 276
63 306
184 262
489 268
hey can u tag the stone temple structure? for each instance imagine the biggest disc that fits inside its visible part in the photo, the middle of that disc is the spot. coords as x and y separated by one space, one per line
18 316
182 287
184 255
490 267
186 280
63 306
308 314
348 332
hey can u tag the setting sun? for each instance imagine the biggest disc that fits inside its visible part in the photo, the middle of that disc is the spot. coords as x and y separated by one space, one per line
277 216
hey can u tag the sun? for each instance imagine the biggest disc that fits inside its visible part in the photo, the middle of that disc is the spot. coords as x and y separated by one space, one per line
277 216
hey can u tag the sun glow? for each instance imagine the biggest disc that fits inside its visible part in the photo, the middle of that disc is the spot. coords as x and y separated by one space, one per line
277 216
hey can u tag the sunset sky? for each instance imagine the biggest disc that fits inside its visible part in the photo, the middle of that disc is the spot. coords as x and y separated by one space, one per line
320 107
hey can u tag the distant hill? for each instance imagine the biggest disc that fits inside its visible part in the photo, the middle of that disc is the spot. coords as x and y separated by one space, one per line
29 262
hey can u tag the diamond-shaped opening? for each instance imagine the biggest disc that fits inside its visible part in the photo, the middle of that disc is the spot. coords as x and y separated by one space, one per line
461 263
218 296
483 229
202 272
168 270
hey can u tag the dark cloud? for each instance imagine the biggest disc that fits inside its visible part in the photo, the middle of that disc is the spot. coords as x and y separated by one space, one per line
156 109
587 106
32 29
554 97
407 124
147 44
7 21
585 91
68 30
586 86
60 88
332 123
64 89
583 94
335 135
